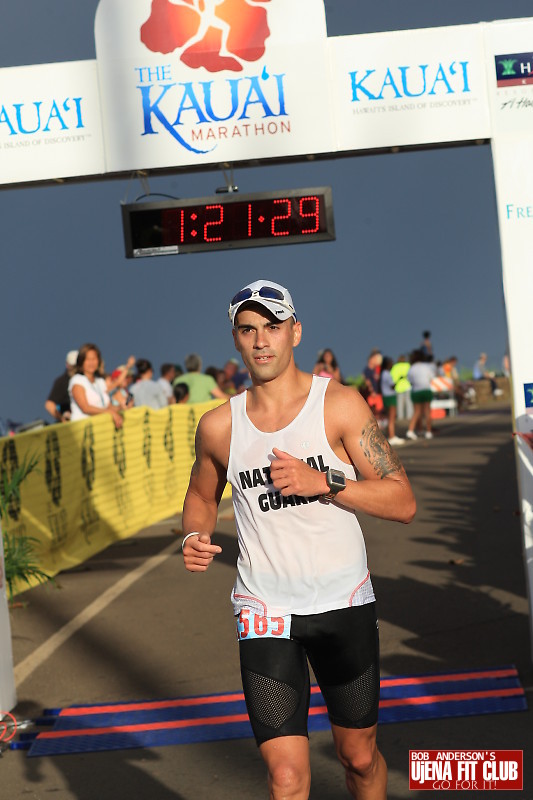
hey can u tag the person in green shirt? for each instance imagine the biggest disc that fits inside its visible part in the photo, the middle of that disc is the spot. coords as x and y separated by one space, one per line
202 388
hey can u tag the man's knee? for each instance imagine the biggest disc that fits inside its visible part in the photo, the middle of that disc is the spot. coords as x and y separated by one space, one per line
287 761
358 753
288 780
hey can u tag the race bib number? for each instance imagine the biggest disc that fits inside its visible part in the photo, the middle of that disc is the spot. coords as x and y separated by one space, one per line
251 625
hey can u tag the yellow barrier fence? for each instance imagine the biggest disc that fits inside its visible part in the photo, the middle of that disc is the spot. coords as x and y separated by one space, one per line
95 484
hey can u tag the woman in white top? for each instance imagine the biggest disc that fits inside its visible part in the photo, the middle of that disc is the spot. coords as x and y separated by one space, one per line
88 390
420 376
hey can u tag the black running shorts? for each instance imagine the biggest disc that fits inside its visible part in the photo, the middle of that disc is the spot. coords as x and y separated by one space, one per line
342 647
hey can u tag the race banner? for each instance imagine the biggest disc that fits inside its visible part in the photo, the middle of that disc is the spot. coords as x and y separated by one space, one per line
50 122
95 484
194 83
409 87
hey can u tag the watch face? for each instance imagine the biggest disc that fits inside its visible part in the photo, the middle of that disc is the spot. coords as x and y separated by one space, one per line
336 480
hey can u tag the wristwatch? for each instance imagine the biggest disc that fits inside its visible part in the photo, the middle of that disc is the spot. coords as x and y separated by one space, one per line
336 481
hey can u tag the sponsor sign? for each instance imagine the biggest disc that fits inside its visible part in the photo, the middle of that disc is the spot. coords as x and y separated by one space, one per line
509 53
193 83
466 770
50 124
409 87
515 69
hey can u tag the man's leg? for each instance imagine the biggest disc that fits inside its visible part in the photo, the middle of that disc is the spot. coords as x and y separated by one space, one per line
343 648
365 768
289 773
275 679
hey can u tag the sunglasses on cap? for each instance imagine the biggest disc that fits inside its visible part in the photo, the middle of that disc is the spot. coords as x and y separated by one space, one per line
266 292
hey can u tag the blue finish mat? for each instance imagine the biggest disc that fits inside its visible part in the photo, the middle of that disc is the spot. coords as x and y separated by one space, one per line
154 723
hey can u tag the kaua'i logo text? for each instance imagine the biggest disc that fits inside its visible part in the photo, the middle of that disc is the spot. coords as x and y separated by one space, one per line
215 34
217 37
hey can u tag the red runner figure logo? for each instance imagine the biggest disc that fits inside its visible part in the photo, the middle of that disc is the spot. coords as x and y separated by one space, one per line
216 34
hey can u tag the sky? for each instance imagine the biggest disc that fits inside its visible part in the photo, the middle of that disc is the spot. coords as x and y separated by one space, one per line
417 244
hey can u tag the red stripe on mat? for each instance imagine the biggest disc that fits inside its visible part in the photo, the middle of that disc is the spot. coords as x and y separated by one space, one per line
151 704
443 698
454 676
313 711
151 726
230 698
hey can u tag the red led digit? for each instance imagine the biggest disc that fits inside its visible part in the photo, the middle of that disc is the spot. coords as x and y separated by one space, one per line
285 216
213 223
182 225
249 220
315 214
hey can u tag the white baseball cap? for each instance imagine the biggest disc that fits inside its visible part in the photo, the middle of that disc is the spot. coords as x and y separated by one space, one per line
72 358
272 296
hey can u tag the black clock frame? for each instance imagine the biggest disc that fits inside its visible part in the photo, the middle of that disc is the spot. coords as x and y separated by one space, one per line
145 233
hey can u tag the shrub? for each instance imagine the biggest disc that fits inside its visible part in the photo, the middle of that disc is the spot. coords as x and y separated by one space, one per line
19 556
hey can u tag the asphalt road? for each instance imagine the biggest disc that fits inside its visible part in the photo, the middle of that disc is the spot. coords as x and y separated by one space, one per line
132 624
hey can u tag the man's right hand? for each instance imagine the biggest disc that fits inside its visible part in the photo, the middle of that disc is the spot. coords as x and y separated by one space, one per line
198 552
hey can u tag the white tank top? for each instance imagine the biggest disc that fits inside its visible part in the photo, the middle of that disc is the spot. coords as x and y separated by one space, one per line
296 554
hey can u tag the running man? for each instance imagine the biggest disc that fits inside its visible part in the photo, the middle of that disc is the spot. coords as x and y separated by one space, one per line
291 448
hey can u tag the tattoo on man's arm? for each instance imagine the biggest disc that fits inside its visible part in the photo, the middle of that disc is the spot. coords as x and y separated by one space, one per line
378 451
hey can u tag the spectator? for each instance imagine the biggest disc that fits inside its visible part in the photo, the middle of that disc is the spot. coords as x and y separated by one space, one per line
449 370
506 365
118 375
371 374
202 388
420 376
388 392
237 378
87 388
58 402
404 407
146 392
480 372
230 376
168 373
327 365
217 375
121 379
181 393
426 347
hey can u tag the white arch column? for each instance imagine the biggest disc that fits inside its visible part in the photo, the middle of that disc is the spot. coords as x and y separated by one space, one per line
513 169
8 696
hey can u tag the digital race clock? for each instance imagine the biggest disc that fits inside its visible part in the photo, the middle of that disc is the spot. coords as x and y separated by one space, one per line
232 221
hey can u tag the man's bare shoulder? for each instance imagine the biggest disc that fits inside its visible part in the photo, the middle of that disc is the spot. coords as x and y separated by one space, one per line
216 421
214 433
341 400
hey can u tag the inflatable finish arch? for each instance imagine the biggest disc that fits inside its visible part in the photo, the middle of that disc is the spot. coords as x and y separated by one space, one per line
184 84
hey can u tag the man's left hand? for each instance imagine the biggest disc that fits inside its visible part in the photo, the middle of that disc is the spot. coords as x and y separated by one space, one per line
292 476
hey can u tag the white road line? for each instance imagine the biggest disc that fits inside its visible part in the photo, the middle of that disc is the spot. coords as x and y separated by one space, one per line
45 650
